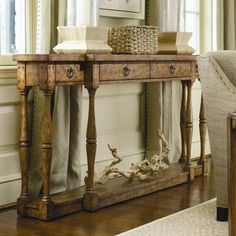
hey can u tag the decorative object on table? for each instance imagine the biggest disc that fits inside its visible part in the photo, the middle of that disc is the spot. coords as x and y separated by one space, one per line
133 39
86 36
174 43
142 170
82 39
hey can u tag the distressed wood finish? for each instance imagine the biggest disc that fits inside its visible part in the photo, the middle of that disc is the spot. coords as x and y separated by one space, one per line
46 157
32 73
68 73
202 131
122 71
102 58
48 71
74 200
47 84
183 124
124 57
90 197
168 69
24 146
90 200
232 173
24 152
189 129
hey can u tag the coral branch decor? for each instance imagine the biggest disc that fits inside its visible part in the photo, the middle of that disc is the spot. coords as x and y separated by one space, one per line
142 170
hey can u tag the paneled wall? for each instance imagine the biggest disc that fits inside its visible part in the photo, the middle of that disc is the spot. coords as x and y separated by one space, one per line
9 127
120 123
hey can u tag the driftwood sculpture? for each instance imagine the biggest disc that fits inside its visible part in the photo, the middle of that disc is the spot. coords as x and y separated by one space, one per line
142 170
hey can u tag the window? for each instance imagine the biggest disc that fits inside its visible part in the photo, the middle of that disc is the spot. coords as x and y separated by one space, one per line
18 28
13 26
191 14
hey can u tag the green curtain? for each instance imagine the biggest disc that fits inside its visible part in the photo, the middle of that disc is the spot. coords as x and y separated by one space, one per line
163 100
226 24
65 168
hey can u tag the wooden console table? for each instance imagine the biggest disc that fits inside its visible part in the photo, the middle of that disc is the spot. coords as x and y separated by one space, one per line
48 71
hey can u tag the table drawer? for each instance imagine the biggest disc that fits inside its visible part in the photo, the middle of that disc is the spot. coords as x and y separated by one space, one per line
171 69
69 73
124 71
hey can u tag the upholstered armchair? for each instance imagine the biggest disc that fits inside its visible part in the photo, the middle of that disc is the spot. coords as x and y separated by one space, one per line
217 72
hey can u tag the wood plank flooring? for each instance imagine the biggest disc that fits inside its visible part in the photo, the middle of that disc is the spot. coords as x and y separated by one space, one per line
115 219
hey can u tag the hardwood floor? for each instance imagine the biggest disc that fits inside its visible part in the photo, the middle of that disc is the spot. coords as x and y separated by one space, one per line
116 219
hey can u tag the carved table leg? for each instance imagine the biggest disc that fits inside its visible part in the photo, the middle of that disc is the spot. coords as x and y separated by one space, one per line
202 129
183 123
90 197
189 130
46 205
24 153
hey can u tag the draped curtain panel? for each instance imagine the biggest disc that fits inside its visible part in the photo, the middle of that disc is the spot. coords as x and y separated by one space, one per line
65 169
163 100
226 24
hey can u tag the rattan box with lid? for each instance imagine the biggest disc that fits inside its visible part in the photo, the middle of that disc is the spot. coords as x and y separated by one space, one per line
133 39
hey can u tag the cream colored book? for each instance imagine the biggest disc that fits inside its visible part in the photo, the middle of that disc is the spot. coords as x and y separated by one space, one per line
174 43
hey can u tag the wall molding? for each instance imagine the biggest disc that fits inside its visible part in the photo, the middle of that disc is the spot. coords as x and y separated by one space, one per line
8 75
10 178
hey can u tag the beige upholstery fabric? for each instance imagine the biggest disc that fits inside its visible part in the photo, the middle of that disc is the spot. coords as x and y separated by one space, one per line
218 77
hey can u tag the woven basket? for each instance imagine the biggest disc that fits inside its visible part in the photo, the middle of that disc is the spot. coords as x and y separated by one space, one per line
133 39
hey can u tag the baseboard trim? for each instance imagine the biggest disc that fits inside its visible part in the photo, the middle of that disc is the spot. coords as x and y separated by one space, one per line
10 178
208 156
8 206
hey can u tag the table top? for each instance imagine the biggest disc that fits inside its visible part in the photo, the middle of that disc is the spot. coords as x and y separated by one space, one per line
99 57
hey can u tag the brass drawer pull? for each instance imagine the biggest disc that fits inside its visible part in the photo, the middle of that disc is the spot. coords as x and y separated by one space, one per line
126 71
70 72
172 69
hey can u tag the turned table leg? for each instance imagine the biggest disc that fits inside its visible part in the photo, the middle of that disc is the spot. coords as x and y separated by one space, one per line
90 197
189 130
46 150
47 85
24 153
183 123
24 145
202 130
46 205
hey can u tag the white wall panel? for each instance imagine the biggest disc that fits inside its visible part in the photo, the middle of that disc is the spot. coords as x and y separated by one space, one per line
119 120
9 125
9 164
9 191
9 137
